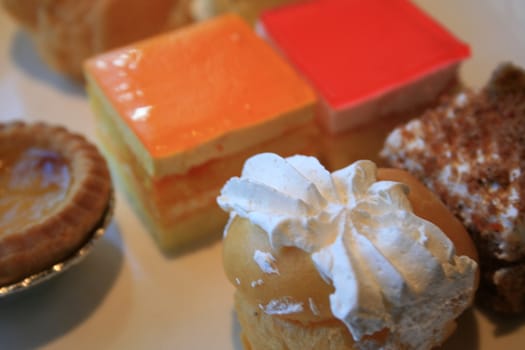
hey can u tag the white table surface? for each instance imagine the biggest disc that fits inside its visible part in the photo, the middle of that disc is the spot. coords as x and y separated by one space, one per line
126 294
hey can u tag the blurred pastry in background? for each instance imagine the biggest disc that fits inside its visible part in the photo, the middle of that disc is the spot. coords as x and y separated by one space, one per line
180 112
55 189
66 32
248 9
24 11
471 152
360 258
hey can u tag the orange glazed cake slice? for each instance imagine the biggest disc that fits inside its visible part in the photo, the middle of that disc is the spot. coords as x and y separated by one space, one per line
179 113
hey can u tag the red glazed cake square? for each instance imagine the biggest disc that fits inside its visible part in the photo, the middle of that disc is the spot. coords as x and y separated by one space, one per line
366 59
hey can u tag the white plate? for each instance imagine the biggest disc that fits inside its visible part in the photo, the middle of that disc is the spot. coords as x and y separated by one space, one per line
125 294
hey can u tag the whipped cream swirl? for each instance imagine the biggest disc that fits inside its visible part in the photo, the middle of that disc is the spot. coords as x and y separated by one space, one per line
390 268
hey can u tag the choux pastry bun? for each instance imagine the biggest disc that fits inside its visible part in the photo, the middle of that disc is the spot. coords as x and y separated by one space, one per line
383 284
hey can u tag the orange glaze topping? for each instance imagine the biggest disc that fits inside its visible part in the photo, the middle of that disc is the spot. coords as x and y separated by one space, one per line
187 87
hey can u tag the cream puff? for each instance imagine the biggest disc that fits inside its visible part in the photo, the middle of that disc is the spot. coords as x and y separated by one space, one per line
358 258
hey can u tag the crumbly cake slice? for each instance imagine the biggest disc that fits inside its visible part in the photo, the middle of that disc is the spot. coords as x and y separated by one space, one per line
471 152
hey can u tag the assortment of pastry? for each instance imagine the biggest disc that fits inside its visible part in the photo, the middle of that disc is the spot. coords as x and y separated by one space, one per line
202 127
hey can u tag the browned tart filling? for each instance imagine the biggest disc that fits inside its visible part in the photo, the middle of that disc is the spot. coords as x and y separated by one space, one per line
54 188
471 152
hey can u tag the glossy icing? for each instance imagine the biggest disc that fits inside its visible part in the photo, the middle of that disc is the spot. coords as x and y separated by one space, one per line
349 57
202 86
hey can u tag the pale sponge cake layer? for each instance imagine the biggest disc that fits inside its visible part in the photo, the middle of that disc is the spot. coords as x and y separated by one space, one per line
180 209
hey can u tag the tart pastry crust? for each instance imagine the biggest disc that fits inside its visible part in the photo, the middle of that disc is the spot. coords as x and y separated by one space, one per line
35 242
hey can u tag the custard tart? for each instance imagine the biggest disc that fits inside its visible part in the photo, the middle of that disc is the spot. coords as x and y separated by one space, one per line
54 189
